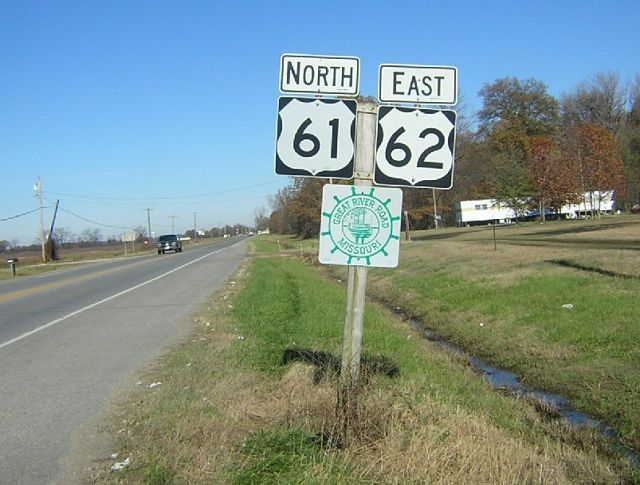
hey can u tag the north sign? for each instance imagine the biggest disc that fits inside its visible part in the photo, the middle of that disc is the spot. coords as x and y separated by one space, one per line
418 84
415 147
325 75
316 137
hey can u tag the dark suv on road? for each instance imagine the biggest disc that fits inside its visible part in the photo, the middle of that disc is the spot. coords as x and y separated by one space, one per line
169 242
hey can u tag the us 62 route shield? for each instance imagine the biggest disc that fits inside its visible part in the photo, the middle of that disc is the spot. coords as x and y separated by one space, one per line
316 137
415 147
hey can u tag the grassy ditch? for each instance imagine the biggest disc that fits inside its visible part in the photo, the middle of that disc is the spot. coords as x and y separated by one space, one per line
508 306
228 410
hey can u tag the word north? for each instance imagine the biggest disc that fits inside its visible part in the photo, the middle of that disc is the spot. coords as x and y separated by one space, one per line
319 75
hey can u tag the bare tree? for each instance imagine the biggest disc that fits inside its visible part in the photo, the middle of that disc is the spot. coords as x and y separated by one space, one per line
90 236
140 232
602 100
261 219
62 235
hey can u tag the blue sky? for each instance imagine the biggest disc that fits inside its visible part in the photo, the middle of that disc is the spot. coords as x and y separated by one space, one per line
123 105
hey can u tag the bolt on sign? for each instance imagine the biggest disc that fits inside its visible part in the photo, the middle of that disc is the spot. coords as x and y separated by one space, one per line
360 226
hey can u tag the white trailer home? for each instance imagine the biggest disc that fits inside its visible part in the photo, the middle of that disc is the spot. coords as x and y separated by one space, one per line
486 211
482 211
591 202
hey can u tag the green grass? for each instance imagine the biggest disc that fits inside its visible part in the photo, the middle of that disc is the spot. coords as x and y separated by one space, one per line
229 411
591 352
268 244
289 456
286 305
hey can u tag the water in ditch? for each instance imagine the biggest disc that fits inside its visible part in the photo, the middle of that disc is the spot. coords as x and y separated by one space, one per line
509 382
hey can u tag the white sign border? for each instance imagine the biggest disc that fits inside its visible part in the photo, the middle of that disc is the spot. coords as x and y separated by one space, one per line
418 66
321 93
346 173
394 182
389 251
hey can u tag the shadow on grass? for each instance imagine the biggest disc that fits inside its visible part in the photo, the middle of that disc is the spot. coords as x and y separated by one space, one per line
578 229
573 243
591 269
435 235
327 364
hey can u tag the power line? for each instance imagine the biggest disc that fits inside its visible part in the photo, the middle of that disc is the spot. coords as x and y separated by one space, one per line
23 214
93 222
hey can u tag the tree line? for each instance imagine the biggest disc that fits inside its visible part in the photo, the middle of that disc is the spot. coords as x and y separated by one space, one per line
524 147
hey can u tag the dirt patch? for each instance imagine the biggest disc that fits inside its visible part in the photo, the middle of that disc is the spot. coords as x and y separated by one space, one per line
91 448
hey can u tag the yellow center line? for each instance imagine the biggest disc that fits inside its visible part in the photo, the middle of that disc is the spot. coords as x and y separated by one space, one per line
59 284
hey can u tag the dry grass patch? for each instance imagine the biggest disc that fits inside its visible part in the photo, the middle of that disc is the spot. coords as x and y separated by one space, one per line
399 440
216 420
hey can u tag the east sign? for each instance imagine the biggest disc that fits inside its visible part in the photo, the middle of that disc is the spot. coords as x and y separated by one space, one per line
418 84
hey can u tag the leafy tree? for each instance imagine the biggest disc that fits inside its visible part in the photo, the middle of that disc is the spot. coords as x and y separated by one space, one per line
553 179
629 140
525 105
419 205
306 206
513 112
280 221
297 208
594 153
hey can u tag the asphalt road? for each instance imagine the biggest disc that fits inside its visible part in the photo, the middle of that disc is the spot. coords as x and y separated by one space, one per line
70 340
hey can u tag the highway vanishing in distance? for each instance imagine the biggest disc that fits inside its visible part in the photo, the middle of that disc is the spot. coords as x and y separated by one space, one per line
70 340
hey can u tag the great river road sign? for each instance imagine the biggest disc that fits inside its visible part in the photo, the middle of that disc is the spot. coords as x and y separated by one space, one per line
360 226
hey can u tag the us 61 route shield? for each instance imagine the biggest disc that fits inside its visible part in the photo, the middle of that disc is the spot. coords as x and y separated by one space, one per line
316 137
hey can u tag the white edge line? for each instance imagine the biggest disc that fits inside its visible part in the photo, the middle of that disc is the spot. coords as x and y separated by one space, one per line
112 297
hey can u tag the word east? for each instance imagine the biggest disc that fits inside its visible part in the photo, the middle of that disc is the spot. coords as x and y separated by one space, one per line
417 86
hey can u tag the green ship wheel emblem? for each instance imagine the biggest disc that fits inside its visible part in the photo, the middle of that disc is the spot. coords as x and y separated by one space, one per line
360 225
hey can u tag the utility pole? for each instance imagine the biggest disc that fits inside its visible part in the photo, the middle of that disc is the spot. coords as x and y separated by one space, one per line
52 248
149 221
38 189
195 233
173 224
